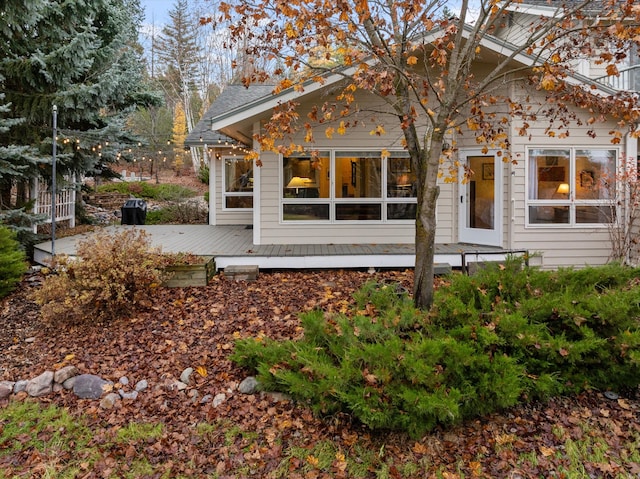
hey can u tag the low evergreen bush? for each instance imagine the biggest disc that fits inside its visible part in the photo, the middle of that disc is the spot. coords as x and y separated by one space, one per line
111 277
142 189
12 261
507 334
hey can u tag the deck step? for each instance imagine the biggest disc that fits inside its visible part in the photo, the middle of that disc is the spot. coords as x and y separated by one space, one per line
246 272
441 268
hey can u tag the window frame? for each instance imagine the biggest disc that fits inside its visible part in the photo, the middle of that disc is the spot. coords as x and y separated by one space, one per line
333 200
234 194
571 203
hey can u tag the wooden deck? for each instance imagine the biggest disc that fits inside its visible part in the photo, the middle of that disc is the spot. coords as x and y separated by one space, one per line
233 245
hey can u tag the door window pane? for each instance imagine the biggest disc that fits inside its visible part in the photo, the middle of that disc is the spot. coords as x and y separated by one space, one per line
481 193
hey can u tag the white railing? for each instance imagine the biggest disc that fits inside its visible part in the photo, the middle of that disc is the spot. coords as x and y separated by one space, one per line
65 202
626 80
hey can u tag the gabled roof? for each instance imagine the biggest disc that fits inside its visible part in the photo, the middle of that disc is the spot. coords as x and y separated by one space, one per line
262 98
232 97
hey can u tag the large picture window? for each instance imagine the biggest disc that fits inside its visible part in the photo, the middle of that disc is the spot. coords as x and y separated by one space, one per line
342 186
571 187
238 183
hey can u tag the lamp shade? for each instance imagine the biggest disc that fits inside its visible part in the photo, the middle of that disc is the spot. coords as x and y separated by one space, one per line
563 189
299 182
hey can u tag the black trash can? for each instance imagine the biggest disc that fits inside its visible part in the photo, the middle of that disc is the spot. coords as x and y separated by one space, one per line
134 212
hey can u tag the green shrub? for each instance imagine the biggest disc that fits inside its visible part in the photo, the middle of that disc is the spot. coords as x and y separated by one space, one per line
12 261
203 174
112 276
142 189
507 334
179 212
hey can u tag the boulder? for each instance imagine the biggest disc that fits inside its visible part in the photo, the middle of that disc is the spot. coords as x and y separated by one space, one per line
40 385
6 388
61 375
249 386
89 386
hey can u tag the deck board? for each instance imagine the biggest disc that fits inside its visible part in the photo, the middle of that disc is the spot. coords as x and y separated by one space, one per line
234 245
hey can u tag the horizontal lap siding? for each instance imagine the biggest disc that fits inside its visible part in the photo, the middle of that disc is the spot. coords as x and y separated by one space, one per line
558 246
273 231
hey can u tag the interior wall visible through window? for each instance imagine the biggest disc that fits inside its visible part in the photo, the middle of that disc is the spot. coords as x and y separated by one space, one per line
348 186
571 186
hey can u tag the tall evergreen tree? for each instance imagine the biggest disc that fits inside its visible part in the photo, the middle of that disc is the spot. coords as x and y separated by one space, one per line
180 59
80 55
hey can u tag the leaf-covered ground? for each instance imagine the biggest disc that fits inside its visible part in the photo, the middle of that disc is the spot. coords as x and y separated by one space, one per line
267 435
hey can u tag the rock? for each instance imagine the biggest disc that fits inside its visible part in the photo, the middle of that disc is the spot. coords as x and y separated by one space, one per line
6 388
20 386
129 395
40 385
124 380
141 385
68 384
177 386
61 375
57 387
185 377
249 386
89 386
30 340
206 398
219 399
109 401
277 396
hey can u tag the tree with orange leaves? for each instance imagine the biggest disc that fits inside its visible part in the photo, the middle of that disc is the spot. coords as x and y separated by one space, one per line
421 63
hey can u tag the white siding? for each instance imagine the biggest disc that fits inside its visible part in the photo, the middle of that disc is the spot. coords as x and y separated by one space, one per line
556 246
274 231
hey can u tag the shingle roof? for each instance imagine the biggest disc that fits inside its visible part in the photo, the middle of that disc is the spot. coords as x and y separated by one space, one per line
232 97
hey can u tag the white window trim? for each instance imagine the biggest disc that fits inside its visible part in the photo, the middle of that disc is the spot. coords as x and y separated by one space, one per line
571 201
226 194
332 200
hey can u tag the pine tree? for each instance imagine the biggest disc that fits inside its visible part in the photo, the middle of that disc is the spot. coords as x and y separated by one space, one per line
80 55
180 58
12 261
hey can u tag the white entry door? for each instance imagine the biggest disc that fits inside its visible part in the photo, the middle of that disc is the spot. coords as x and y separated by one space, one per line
480 202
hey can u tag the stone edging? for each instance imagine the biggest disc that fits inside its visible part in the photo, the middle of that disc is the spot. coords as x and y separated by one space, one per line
90 386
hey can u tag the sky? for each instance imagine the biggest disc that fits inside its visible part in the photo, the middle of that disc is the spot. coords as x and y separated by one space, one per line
157 11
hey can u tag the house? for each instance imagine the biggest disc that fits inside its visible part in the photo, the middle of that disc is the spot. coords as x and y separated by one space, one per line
360 188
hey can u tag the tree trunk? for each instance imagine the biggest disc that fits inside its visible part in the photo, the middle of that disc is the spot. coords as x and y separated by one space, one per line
5 193
22 193
425 249
428 192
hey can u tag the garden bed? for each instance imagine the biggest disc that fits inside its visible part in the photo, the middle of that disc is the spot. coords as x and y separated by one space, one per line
191 273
